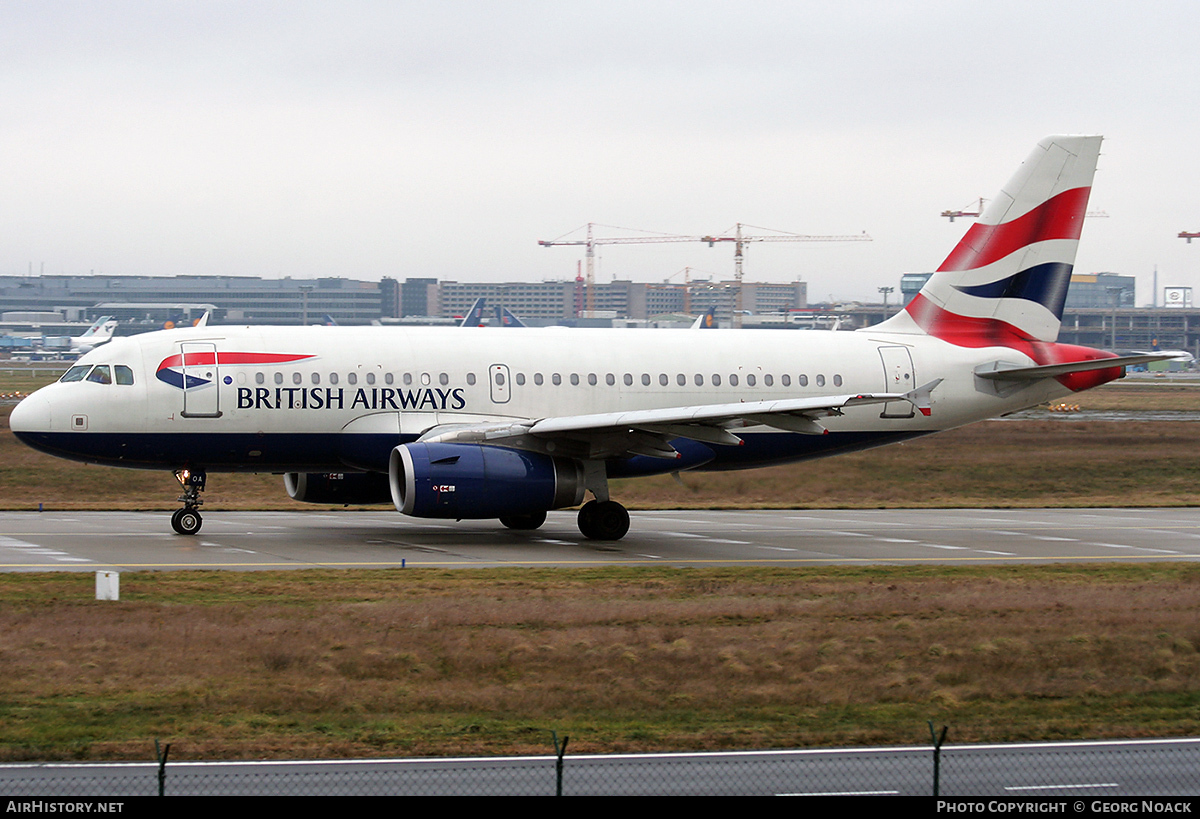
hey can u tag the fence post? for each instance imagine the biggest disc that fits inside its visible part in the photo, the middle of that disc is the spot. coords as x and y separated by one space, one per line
161 753
937 755
559 752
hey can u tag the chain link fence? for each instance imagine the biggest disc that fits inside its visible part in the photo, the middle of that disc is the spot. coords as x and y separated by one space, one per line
1096 770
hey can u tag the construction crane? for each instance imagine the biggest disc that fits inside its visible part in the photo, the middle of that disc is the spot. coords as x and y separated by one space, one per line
738 238
590 255
956 214
978 211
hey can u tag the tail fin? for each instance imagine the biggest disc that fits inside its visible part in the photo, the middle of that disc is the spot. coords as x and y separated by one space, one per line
1007 279
474 316
505 318
707 321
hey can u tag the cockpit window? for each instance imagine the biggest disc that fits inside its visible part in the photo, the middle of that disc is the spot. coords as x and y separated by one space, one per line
124 374
100 374
76 373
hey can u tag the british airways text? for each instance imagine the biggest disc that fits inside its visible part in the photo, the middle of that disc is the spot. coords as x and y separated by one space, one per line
376 398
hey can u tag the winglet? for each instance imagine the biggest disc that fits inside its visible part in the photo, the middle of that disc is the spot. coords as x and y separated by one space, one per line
921 397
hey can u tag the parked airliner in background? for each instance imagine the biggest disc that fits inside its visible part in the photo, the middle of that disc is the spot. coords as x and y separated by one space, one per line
100 332
509 423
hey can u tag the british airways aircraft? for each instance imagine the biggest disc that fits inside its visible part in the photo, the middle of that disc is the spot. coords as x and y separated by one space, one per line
509 423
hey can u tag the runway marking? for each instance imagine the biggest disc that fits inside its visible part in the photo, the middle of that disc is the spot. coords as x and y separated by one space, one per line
1058 787
842 793
25 547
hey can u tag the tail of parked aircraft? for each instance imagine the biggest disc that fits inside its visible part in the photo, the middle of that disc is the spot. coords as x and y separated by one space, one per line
505 318
707 321
1006 281
101 330
474 316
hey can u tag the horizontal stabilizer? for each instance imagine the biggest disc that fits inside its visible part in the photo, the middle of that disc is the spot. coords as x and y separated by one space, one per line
1005 371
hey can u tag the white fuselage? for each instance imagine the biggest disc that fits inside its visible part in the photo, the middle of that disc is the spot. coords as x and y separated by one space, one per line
331 398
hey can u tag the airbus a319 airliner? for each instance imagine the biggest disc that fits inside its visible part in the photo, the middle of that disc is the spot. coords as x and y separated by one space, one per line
508 423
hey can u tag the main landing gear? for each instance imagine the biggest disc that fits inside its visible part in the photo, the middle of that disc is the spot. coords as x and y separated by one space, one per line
187 521
598 520
603 520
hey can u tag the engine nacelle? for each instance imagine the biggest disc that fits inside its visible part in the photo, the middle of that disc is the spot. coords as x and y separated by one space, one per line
471 481
338 487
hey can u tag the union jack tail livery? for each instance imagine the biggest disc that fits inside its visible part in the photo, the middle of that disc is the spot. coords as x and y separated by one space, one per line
1006 281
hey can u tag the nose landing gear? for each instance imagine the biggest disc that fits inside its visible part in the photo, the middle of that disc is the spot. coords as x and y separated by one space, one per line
187 521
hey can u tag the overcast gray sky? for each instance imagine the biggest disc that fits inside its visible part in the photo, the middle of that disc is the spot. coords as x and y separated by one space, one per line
369 139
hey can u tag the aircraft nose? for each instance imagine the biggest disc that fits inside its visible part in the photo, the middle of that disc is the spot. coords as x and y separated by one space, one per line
31 415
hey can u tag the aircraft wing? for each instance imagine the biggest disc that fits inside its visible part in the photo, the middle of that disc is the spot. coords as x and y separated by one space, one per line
649 432
1004 371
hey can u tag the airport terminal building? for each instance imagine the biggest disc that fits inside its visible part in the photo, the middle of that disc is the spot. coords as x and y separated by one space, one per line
1099 309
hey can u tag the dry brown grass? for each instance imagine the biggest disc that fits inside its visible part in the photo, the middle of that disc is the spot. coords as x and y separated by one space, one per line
432 662
994 463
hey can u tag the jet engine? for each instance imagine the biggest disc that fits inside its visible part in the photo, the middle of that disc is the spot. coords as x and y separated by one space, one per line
338 487
440 480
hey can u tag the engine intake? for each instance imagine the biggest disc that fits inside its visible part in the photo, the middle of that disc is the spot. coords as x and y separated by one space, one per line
472 481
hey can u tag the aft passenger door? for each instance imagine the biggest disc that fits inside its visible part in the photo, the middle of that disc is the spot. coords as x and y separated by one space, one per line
201 377
898 372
